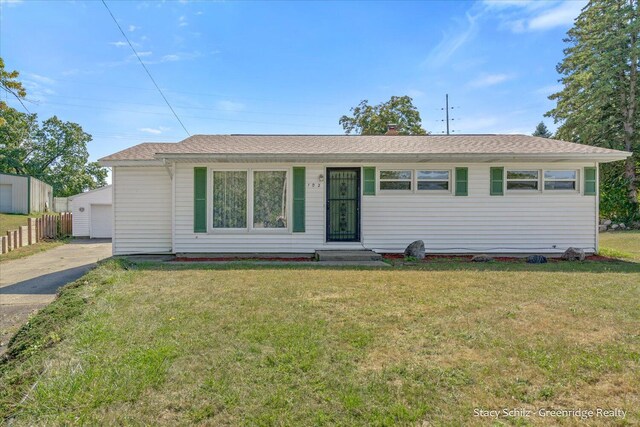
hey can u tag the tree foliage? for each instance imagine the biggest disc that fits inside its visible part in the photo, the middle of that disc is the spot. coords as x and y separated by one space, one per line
542 131
600 102
373 119
53 151
10 84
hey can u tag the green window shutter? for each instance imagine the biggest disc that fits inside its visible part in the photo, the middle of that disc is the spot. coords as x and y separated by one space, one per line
590 181
299 190
497 182
462 181
199 200
369 178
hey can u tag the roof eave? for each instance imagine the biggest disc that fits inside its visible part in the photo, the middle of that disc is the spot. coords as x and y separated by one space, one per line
396 157
129 162
161 158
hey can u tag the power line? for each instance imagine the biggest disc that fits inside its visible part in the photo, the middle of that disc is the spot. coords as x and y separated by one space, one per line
89 107
185 107
7 90
145 68
200 93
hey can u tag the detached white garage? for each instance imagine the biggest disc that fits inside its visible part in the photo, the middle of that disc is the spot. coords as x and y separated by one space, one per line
92 213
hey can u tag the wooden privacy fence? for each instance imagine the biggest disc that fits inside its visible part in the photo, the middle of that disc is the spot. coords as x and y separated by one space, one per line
47 227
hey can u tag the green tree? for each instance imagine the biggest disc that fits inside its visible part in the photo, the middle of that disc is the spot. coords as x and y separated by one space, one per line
542 131
373 119
16 139
600 104
55 152
10 84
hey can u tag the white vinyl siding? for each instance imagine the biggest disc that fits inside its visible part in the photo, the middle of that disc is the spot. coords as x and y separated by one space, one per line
519 222
80 206
142 210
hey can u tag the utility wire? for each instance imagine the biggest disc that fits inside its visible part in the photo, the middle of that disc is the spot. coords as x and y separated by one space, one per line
7 90
189 116
145 68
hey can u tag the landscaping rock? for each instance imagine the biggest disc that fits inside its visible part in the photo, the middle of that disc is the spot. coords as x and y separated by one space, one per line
614 226
603 228
622 226
573 254
536 259
607 222
635 225
482 258
415 250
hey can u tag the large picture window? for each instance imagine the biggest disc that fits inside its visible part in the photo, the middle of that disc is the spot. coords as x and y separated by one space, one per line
229 199
526 180
269 199
560 180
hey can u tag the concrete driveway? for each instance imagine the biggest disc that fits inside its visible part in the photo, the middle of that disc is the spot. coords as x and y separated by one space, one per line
30 283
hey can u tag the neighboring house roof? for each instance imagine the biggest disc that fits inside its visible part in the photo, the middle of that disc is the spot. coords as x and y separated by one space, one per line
84 193
351 147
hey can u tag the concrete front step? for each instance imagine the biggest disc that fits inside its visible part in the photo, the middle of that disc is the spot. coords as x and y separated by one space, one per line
336 255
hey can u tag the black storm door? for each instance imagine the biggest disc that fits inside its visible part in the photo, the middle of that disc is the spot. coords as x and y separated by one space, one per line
343 205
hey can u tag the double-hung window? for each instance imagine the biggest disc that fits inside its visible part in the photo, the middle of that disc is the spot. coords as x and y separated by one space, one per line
396 180
269 199
230 199
524 180
250 200
433 180
560 180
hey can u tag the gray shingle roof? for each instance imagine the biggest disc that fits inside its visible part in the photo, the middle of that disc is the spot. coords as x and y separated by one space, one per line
309 145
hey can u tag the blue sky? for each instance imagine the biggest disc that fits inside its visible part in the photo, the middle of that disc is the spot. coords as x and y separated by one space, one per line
282 67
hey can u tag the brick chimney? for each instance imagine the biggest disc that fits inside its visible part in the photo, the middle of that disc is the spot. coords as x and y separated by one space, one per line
392 129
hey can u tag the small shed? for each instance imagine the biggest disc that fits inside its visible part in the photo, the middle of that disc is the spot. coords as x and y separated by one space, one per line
92 213
23 194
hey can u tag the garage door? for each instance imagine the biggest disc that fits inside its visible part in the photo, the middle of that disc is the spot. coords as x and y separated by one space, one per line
100 221
5 198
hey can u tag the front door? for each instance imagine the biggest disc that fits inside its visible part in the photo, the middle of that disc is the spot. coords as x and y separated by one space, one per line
343 204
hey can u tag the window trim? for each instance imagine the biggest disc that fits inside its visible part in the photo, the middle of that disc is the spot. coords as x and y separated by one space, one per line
249 229
576 180
210 190
392 191
288 201
522 190
542 180
449 174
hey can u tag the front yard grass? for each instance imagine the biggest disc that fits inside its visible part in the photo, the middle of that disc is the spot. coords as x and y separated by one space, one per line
256 345
621 244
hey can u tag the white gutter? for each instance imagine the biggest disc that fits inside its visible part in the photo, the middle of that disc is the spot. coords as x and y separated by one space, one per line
161 158
408 157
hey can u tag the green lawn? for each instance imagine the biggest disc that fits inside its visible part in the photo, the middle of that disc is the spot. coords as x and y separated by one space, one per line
621 244
254 345
13 221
